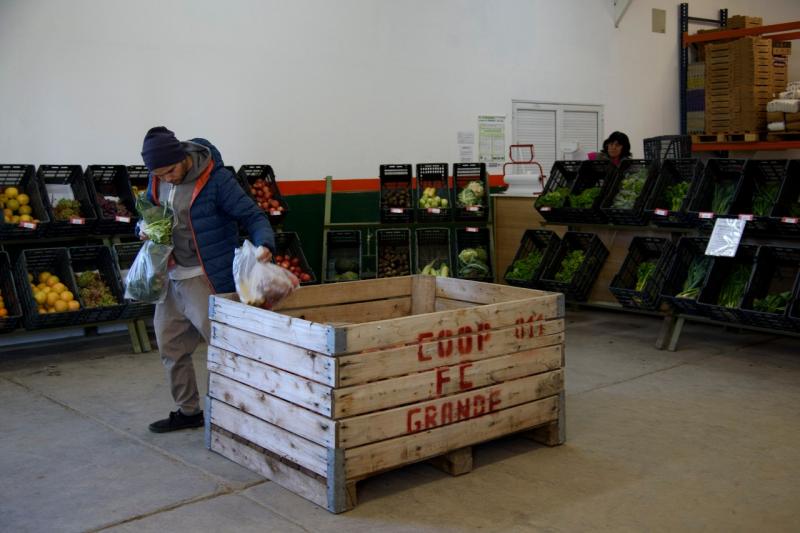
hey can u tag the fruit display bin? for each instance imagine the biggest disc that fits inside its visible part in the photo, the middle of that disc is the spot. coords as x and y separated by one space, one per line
100 259
35 261
396 194
433 177
124 255
546 243
394 249
634 215
785 216
138 177
11 319
276 206
720 272
109 185
687 251
23 178
777 271
63 181
475 238
673 173
561 179
434 248
758 193
344 255
625 286
463 175
287 244
594 255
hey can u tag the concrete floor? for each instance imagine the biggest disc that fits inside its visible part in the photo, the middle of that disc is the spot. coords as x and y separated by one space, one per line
706 438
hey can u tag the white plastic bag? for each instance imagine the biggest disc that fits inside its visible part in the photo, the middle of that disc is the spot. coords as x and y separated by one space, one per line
147 279
257 283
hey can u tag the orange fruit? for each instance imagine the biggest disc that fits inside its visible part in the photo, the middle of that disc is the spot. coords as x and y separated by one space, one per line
3 312
66 296
52 298
73 305
52 280
43 276
60 306
40 297
59 288
23 199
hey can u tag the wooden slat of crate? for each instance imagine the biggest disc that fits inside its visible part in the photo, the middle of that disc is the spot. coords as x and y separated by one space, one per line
276 411
383 309
423 294
446 304
376 457
360 337
306 363
273 438
333 294
290 387
391 362
482 293
227 309
377 395
382 425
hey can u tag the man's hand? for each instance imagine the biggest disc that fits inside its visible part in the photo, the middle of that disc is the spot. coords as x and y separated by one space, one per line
264 255
143 236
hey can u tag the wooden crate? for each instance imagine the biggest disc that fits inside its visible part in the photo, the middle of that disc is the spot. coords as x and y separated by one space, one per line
341 382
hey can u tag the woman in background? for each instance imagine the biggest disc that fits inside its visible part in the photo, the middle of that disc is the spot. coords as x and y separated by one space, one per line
616 148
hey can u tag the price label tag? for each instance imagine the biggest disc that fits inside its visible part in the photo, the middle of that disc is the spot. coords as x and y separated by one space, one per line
126 220
434 210
725 237
28 225
474 208
545 209
396 210
661 212
746 218
790 220
77 221
706 215
472 230
275 213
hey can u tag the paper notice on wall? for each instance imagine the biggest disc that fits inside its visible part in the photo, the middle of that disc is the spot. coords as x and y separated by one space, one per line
466 146
492 139
725 237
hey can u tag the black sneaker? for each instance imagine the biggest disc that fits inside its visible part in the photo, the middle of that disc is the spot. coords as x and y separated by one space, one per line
176 421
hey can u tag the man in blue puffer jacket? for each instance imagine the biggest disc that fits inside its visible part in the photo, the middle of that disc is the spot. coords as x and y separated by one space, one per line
208 204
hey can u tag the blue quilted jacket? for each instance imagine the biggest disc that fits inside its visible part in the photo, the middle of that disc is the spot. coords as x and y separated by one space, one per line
216 209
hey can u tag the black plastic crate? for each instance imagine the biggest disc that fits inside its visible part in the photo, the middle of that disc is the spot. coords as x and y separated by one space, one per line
71 179
668 147
634 215
721 270
794 308
104 181
674 173
687 251
761 177
777 271
22 177
625 285
287 243
98 258
476 238
124 255
433 176
35 261
13 314
276 207
595 253
396 194
546 243
433 247
394 252
344 252
138 177
785 218
463 175
562 178
728 172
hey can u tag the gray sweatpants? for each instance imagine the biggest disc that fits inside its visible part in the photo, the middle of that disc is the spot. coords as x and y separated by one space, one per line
181 323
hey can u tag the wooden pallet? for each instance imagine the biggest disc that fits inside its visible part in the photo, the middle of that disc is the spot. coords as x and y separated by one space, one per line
783 136
725 137
421 369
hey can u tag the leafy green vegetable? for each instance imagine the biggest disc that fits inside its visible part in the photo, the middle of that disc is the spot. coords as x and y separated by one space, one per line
773 303
630 189
471 195
723 196
585 200
765 198
694 279
556 198
794 208
570 265
676 193
346 276
733 287
157 220
643 273
472 263
524 268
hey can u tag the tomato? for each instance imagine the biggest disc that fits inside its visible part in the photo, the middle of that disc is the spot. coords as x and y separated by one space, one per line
305 277
278 258
285 264
295 261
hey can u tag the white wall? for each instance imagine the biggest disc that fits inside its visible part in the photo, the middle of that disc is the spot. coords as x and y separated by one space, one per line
319 87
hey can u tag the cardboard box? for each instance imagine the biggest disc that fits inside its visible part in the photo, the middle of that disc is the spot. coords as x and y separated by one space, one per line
738 22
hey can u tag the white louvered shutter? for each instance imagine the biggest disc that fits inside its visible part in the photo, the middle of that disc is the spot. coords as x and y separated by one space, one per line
539 128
